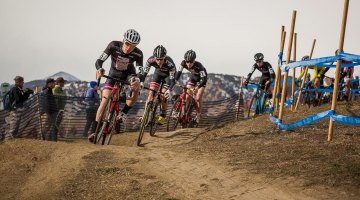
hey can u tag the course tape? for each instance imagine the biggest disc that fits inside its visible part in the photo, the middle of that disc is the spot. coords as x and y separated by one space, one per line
325 62
346 120
303 122
315 118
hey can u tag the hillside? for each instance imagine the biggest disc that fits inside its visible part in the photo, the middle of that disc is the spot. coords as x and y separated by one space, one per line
242 160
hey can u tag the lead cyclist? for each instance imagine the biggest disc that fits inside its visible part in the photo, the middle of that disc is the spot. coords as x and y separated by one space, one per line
123 55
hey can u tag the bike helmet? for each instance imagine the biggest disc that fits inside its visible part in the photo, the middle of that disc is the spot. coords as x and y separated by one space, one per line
190 56
259 57
159 51
132 36
306 57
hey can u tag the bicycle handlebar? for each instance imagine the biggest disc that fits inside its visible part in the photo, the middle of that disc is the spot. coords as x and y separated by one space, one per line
115 79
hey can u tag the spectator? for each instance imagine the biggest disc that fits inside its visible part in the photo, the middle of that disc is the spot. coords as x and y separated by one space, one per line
51 110
18 96
60 99
92 103
59 93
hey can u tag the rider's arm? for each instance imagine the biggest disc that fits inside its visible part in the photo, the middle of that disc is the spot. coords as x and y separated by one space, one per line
272 73
302 73
172 72
146 69
139 63
251 72
104 56
203 76
178 73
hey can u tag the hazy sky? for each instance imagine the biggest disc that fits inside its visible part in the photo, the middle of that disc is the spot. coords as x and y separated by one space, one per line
41 37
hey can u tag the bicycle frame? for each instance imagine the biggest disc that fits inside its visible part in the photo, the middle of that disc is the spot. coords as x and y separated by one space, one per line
149 116
110 113
182 111
258 101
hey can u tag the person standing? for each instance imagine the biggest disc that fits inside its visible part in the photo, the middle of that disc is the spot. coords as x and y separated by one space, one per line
51 110
92 103
17 97
59 93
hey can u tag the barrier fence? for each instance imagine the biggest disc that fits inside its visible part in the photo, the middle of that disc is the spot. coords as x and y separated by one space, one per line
31 121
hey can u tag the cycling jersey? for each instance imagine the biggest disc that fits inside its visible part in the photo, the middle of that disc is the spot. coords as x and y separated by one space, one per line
121 64
266 70
318 72
198 73
346 72
166 71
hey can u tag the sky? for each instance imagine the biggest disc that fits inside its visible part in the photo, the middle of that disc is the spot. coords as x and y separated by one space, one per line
39 38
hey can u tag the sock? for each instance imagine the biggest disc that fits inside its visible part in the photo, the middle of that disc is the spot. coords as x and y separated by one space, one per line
126 109
163 113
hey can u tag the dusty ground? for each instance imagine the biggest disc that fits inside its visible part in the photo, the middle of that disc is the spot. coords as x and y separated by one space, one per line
243 160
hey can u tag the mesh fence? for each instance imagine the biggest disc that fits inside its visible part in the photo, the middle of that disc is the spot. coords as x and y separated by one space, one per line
31 121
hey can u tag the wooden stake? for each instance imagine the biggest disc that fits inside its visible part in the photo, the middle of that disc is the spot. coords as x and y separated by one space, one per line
283 94
278 71
338 67
304 79
293 75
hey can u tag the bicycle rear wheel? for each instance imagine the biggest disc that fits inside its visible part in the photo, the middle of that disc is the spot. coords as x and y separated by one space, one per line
144 122
253 108
174 117
153 119
100 125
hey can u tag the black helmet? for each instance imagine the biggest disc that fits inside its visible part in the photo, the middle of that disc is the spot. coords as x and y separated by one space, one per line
258 57
306 57
190 56
159 51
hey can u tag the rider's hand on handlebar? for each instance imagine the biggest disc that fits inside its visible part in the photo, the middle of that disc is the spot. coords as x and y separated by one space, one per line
167 94
99 73
246 83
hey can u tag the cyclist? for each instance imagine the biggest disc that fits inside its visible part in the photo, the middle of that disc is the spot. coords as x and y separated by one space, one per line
318 76
197 80
319 73
346 75
123 55
268 74
164 71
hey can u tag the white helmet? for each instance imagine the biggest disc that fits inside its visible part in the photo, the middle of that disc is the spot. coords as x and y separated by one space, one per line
132 36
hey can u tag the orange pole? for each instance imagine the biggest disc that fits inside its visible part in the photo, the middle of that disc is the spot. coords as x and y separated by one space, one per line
291 37
293 75
303 81
278 71
338 67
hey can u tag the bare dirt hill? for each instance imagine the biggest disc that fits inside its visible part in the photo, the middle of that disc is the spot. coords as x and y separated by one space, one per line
243 160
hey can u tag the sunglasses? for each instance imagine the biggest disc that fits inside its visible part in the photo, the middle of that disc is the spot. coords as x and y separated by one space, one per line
126 43
160 59
259 61
190 61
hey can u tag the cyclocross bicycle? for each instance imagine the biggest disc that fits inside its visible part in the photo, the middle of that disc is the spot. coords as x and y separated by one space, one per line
180 113
150 115
258 103
110 113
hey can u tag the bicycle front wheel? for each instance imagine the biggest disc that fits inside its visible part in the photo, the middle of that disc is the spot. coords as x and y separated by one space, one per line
99 126
174 117
153 119
144 122
253 108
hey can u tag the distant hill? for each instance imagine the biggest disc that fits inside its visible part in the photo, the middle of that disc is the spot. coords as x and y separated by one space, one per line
41 82
66 76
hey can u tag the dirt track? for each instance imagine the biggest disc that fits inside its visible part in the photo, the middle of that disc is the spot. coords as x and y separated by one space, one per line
226 163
